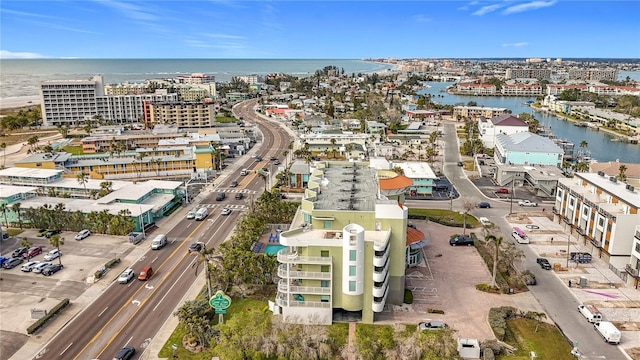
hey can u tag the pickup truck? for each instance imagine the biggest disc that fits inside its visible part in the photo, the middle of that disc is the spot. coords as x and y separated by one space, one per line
527 203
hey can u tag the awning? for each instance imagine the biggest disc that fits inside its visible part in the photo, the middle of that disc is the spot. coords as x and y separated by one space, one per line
324 218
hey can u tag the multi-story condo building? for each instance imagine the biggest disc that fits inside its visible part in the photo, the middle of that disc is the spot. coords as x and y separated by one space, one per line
521 89
182 114
196 78
251 79
474 112
593 74
503 124
474 88
71 102
558 89
347 247
528 73
603 213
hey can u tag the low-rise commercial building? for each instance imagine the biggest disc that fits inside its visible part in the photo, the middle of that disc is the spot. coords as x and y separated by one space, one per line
525 148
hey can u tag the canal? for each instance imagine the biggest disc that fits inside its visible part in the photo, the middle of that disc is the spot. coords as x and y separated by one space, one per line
599 143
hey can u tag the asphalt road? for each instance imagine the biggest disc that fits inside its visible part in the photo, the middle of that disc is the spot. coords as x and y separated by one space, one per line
132 314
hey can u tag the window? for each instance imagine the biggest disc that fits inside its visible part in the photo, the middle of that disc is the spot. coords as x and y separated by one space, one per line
324 283
327 224
352 286
352 271
324 268
353 255
324 253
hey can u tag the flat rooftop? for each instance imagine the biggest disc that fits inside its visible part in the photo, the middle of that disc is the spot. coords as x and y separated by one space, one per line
349 187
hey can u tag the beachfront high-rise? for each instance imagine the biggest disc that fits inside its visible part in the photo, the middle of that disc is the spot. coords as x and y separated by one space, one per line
347 248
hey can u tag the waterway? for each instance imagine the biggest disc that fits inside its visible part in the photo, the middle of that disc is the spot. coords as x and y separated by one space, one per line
599 143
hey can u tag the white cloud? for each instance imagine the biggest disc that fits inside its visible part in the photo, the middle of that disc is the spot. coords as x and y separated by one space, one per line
469 5
534 5
518 44
131 10
487 9
6 54
224 36
421 18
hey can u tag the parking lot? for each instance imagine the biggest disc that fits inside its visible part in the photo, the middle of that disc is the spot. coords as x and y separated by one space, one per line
23 291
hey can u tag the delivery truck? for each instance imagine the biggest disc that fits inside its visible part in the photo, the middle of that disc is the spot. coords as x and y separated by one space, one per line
590 312
608 331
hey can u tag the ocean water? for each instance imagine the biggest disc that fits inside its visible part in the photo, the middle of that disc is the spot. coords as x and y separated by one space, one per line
23 77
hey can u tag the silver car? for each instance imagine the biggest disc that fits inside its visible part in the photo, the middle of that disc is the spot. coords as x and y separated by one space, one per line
126 276
29 266
39 267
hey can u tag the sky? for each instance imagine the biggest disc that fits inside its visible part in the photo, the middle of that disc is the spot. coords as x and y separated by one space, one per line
319 29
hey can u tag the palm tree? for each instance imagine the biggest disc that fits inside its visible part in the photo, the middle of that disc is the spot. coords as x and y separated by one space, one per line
56 241
33 141
25 242
203 258
584 144
497 241
3 208
622 172
16 209
3 146
581 167
83 179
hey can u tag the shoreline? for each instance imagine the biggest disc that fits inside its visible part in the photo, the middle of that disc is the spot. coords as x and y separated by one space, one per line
625 138
19 102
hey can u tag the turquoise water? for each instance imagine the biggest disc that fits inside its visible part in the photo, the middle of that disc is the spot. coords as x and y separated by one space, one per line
272 249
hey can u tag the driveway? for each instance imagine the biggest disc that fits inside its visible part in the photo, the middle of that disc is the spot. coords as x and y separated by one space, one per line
446 281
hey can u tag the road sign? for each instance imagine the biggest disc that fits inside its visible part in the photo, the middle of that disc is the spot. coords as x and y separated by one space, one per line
220 301
221 311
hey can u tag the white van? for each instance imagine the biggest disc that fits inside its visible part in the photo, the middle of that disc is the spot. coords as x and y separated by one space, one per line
590 312
202 213
159 242
608 331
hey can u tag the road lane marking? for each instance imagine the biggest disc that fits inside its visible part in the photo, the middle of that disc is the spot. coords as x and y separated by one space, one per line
148 286
110 341
102 312
128 341
65 349
156 258
174 284
136 302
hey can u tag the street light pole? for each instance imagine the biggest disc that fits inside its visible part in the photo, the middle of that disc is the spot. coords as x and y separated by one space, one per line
569 243
512 189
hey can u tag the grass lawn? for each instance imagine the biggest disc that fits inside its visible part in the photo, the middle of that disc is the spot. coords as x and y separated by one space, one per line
75 150
13 231
225 119
445 217
547 342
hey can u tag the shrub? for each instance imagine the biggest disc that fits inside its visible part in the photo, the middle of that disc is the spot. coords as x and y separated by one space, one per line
493 345
487 354
408 296
40 323
111 263
498 320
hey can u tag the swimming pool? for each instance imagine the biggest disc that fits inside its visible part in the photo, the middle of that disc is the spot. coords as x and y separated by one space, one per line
273 249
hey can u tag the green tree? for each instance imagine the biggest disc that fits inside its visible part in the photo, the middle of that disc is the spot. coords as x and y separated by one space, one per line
26 243
622 172
3 146
496 241
4 208
16 209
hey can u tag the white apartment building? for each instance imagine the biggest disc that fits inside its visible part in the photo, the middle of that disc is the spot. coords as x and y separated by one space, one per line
503 124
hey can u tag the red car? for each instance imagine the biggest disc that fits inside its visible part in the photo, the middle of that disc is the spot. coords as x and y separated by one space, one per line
33 252
502 191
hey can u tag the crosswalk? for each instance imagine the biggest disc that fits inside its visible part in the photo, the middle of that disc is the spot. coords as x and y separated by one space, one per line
237 207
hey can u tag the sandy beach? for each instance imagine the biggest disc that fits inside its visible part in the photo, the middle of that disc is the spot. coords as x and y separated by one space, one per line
18 102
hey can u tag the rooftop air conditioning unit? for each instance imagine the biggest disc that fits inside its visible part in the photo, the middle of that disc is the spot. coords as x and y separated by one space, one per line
601 173
631 188
613 179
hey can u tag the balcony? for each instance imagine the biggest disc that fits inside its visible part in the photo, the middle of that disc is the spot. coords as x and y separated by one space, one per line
378 303
308 304
293 289
294 274
633 272
581 231
597 243
381 260
637 235
286 257
379 276
380 291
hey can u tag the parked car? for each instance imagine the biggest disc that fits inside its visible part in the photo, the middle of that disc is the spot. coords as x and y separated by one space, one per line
502 191
234 183
273 158
277 162
83 234
42 232
527 203
221 196
5 235
484 221
19 252
544 263
196 246
461 240
33 252
53 254
41 266
52 269
239 196
50 233
125 353
226 211
432 325
126 276
484 205
13 262
29 266
460 163
3 260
